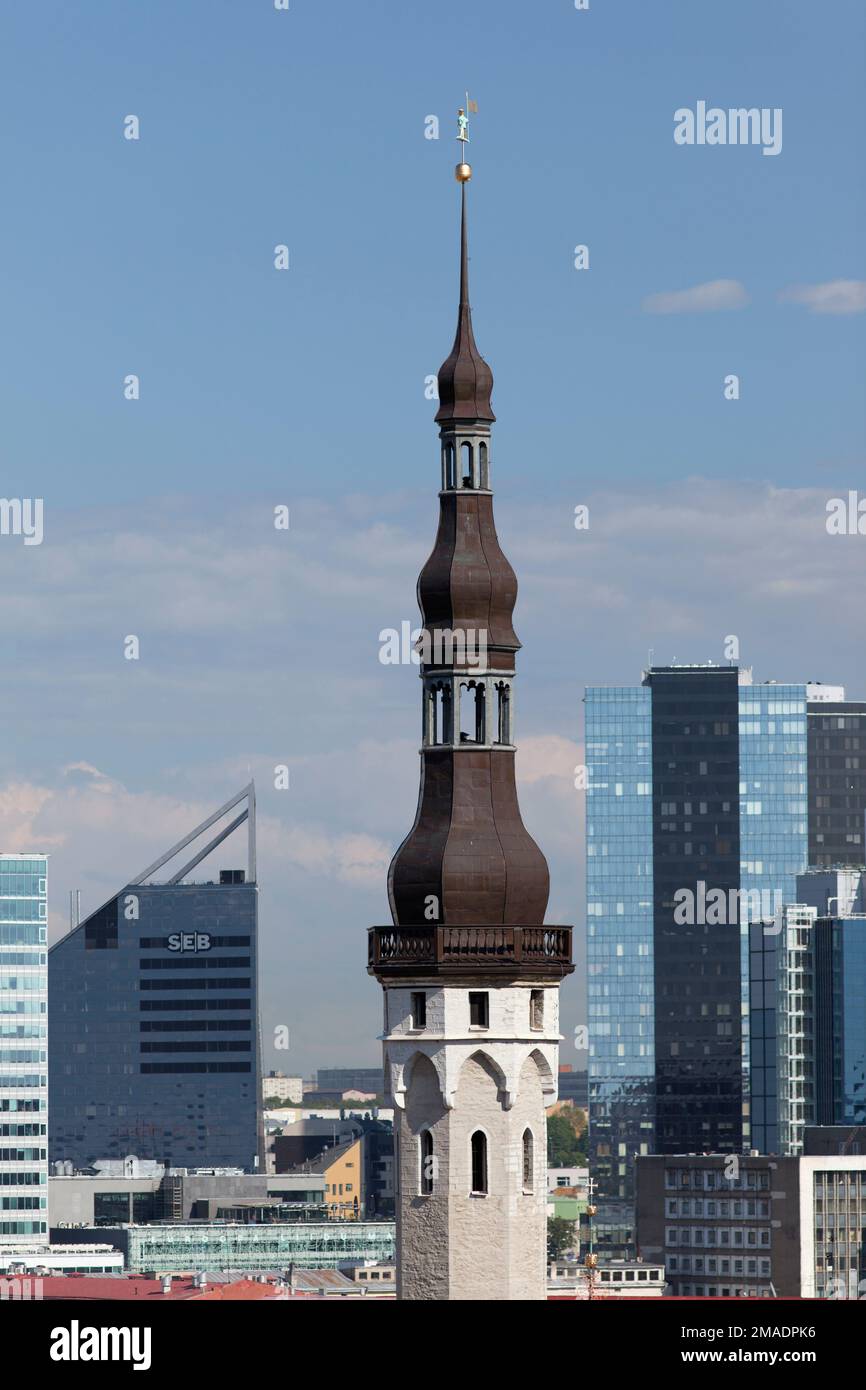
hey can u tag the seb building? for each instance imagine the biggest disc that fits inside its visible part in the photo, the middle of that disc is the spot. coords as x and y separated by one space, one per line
154 1046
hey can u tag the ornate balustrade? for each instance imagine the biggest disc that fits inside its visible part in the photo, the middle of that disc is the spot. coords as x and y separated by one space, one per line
440 949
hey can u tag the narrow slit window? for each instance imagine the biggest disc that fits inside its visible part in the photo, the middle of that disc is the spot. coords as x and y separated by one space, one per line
479 1163
419 1009
428 1164
536 1010
528 1163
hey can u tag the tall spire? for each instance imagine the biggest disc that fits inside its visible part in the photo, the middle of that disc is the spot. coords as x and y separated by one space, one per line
469 967
465 380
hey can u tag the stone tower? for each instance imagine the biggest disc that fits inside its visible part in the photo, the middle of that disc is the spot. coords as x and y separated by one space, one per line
470 973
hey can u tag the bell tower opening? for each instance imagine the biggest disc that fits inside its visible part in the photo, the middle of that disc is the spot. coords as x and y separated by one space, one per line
472 712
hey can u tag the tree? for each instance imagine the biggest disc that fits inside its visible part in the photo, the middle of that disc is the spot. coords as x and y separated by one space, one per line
560 1236
565 1148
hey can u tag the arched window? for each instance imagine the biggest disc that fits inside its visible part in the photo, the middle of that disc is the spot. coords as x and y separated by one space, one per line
428 1164
503 731
448 466
528 1160
479 1162
484 470
437 714
467 470
472 712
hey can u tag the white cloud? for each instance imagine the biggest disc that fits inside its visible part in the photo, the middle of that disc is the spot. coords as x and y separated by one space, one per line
700 299
834 297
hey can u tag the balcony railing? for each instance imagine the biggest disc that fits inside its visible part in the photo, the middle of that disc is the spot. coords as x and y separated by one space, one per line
451 947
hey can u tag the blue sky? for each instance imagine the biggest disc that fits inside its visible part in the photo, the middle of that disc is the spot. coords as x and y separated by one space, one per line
155 257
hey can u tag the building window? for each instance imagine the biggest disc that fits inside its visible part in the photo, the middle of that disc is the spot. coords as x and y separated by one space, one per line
527 1160
427 1164
536 1010
479 1009
419 1009
479 1161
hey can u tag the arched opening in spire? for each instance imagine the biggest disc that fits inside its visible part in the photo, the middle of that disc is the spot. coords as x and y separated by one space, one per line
448 470
484 466
503 712
472 712
467 465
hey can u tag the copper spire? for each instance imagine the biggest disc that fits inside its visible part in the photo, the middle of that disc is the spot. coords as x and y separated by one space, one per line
465 380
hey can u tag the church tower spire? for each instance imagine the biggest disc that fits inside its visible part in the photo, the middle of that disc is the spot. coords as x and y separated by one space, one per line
465 380
469 970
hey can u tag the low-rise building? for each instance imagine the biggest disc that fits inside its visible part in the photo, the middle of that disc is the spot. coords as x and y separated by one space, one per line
61 1259
185 1247
342 1167
277 1086
568 1177
616 1279
730 1226
106 1198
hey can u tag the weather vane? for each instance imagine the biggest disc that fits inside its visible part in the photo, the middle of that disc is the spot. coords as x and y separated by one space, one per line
463 172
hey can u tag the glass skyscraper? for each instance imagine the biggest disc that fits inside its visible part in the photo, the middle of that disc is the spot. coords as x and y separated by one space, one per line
774 850
822 1018
23 1049
698 781
620 964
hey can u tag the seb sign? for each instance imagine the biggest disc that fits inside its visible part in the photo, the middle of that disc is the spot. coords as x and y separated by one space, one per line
189 941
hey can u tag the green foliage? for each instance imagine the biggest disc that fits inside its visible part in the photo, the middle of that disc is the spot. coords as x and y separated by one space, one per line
560 1236
565 1147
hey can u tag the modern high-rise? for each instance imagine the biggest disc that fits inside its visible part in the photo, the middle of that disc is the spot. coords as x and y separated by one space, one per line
821 1014
23 1049
154 1040
470 972
702 800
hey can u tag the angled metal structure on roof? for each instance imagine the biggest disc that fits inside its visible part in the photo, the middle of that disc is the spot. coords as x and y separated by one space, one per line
248 794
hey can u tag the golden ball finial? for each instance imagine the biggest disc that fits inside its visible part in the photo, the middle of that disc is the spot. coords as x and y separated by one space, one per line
463 173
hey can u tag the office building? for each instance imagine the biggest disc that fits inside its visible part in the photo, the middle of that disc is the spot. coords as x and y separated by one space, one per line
700 810
336 1080
837 780
574 1086
821 987
23 1050
761 1227
154 1045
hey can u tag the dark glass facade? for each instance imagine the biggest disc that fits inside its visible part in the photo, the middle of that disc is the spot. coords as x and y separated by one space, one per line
696 840
837 784
697 784
154 1046
839 993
